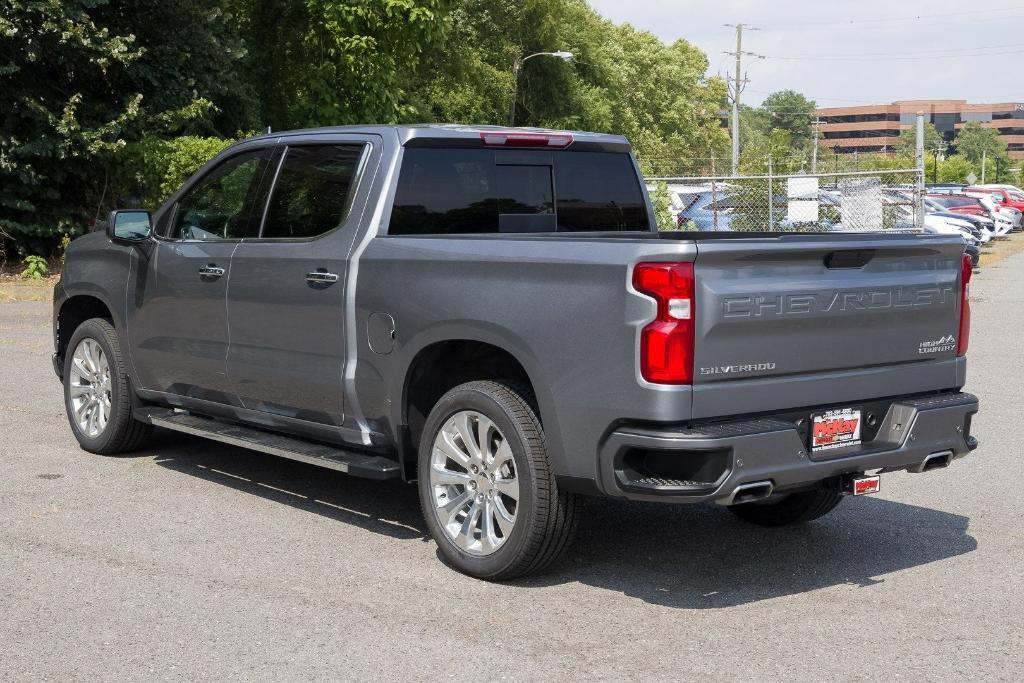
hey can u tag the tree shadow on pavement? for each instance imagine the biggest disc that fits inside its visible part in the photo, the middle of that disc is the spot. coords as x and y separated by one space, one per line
703 557
695 557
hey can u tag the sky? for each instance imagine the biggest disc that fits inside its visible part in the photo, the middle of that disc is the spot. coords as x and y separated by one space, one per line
842 53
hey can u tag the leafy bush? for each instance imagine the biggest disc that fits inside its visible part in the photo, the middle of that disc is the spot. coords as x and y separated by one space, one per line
955 169
156 168
662 203
35 268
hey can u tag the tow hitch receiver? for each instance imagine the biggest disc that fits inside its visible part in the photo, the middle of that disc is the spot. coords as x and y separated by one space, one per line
861 486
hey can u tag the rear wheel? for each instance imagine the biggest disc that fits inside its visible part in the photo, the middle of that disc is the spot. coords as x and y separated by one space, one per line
792 508
97 393
485 484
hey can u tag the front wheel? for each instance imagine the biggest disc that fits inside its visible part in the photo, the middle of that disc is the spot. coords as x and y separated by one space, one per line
97 393
488 495
792 508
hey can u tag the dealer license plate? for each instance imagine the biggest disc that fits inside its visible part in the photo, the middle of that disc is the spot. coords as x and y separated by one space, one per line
835 429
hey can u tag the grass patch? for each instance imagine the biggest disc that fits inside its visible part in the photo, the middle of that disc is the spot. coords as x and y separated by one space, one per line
996 250
14 288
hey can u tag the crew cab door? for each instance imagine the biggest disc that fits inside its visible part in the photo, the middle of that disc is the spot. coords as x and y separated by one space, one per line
286 300
177 324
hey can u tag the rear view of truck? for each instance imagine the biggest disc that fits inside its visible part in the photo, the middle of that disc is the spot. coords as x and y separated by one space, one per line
815 362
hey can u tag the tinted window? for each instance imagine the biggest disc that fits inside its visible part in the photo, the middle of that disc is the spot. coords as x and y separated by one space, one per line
598 191
224 204
311 194
452 191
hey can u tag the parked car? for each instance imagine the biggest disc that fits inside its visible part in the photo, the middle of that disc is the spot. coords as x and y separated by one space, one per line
700 207
1003 186
494 315
1006 217
975 205
955 188
1009 197
982 224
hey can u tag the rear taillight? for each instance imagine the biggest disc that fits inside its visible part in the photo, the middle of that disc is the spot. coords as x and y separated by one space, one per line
966 269
666 343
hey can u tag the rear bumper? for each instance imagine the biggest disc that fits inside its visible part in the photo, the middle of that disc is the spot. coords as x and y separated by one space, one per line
710 462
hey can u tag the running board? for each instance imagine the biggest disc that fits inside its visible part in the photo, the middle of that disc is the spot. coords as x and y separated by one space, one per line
322 455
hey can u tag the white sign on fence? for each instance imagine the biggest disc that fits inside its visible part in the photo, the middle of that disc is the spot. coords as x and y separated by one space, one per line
860 207
803 199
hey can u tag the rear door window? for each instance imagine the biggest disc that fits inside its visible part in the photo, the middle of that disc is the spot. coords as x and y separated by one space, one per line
312 192
479 191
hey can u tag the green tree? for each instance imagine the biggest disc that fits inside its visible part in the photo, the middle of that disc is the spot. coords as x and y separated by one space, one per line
661 101
975 141
84 78
59 112
620 80
933 141
792 112
955 169
189 69
331 62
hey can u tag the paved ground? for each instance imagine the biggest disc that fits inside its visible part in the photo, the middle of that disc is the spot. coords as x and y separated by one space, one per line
193 560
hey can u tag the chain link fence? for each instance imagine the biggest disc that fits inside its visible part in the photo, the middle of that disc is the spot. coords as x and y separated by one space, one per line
851 201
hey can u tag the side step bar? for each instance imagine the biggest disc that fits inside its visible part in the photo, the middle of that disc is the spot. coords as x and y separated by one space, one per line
331 457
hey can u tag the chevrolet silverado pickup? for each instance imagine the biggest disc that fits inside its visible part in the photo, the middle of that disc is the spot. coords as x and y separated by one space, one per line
493 315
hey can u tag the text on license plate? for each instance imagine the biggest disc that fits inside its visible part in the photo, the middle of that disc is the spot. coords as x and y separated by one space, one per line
835 429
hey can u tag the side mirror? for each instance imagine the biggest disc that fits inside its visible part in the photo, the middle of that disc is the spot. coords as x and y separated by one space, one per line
129 225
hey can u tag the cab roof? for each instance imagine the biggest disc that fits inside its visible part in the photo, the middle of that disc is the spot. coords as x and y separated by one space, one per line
428 134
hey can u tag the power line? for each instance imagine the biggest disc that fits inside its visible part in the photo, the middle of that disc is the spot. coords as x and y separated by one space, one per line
915 53
929 17
893 58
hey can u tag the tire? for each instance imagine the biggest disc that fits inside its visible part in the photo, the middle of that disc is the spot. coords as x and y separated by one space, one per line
483 543
120 432
794 508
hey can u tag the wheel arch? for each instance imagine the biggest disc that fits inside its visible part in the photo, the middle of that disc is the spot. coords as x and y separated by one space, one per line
442 363
74 311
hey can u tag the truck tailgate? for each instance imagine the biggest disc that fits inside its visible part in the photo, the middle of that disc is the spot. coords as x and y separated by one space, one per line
805 320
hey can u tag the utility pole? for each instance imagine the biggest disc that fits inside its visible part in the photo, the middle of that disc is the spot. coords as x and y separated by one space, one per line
919 162
983 158
737 87
814 152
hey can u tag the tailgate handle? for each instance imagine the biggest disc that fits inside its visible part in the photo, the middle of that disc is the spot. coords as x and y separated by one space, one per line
855 258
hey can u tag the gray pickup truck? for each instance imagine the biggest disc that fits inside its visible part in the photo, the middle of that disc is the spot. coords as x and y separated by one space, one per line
494 315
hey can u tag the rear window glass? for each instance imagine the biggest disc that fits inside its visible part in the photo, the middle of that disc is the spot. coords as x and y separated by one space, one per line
473 191
957 201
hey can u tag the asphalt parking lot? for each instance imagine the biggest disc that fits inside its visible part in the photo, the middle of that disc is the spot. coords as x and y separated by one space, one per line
196 560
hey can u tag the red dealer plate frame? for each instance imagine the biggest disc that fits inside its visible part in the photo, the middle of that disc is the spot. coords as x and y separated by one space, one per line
837 428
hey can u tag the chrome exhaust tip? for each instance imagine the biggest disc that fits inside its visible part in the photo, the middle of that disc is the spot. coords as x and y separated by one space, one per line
748 493
934 461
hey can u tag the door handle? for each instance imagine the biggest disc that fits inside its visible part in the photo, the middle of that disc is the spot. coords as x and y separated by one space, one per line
321 277
211 271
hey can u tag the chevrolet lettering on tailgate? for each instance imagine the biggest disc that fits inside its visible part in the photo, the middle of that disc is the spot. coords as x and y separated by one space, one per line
758 305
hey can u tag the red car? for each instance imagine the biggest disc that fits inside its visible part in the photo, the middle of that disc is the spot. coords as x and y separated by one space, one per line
959 203
1009 197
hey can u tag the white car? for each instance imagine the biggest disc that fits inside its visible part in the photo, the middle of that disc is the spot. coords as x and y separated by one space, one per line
1007 218
982 224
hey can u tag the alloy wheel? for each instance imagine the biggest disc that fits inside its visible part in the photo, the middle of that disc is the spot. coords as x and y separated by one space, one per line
474 483
89 387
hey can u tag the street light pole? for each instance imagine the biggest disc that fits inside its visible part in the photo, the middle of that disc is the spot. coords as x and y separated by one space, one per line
517 66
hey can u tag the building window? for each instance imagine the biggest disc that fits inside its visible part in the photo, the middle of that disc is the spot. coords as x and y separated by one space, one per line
976 116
